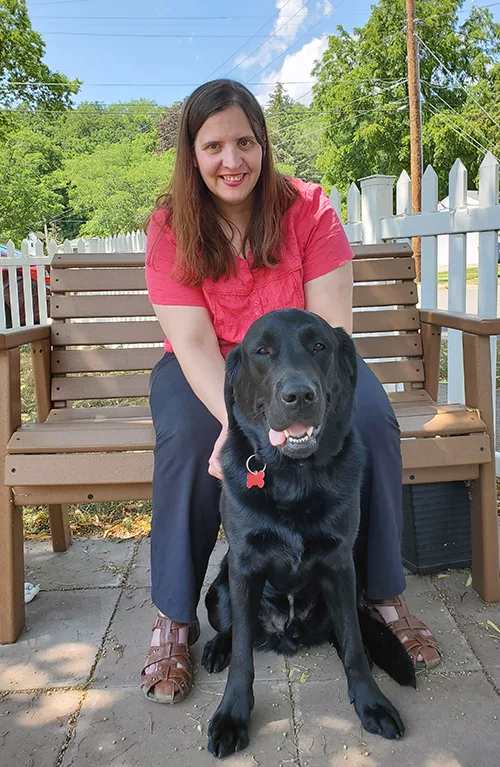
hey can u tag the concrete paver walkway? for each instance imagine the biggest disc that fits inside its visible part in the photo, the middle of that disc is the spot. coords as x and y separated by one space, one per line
70 697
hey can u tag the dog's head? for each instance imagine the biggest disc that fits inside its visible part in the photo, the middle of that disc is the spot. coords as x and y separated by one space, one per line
291 380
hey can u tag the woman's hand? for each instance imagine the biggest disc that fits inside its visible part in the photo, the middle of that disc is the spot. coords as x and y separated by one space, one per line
214 464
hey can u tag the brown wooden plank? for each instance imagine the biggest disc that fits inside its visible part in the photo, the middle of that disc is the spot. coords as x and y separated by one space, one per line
446 451
105 360
440 474
377 269
404 409
129 412
101 306
444 424
385 320
468 323
383 250
398 371
100 387
79 469
74 260
411 395
85 280
90 333
83 437
27 496
408 345
14 337
392 294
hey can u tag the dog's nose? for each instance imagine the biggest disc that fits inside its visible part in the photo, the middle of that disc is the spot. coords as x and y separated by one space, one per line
298 394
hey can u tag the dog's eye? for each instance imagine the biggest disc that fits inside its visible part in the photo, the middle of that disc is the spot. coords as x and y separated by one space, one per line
262 350
318 347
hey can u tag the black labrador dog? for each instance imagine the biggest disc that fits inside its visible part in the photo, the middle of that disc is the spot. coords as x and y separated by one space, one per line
290 508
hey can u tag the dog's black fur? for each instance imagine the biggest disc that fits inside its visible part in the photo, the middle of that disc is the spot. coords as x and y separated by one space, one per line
294 537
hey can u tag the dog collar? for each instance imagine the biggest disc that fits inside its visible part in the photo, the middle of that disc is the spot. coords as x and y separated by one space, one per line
255 478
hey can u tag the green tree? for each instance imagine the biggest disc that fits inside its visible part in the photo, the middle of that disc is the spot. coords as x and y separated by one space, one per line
113 189
362 85
295 135
25 81
27 160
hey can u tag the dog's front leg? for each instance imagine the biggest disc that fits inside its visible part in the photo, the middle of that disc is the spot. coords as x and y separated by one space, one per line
228 728
376 712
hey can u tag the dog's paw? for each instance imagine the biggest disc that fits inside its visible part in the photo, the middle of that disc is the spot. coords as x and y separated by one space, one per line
226 734
378 715
217 653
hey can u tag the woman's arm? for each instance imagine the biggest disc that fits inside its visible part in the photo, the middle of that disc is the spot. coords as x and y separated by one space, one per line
330 296
191 333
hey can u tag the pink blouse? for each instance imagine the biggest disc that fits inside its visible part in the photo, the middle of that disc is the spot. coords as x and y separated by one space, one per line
314 244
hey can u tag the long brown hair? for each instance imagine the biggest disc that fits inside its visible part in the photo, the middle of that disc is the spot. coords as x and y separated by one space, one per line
203 249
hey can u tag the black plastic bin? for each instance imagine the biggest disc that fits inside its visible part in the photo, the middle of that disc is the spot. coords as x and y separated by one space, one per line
436 527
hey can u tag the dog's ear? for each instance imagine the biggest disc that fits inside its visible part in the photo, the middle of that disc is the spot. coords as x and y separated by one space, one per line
347 353
233 367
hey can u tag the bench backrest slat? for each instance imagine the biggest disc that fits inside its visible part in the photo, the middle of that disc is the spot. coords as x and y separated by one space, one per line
94 328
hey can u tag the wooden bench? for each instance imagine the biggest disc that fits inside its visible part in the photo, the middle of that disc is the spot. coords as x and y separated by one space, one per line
82 454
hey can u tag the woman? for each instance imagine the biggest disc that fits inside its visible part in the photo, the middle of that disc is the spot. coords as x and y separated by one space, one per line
233 239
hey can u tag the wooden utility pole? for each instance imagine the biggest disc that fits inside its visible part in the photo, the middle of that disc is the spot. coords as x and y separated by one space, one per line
415 122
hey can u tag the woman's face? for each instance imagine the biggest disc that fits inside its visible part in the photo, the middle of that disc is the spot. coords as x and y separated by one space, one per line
229 157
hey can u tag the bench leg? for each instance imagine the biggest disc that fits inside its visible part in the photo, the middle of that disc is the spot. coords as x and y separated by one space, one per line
484 520
11 568
59 526
484 534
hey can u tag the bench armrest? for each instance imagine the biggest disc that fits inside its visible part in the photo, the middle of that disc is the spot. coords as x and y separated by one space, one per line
469 323
12 338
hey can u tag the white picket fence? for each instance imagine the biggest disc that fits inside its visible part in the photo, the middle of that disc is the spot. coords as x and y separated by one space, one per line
19 271
371 218
131 242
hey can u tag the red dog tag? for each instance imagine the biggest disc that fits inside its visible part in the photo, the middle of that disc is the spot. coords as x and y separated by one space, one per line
255 478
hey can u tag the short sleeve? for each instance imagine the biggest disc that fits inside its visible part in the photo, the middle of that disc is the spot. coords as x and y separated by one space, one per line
163 288
324 244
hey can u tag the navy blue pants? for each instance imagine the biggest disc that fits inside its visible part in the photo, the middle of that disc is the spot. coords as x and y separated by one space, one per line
186 498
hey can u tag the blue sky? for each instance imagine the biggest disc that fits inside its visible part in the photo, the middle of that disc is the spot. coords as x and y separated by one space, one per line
145 50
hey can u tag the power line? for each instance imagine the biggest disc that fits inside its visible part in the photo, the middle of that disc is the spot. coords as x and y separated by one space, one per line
61 2
463 10
274 16
311 26
153 18
450 74
302 7
314 113
151 85
461 132
448 106
135 34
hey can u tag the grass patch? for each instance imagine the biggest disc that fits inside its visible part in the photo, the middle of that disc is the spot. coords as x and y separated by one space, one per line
471 276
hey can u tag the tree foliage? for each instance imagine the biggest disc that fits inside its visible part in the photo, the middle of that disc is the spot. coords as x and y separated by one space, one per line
25 81
362 85
295 135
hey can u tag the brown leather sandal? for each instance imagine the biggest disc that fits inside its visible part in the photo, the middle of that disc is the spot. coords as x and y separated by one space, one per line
173 677
408 629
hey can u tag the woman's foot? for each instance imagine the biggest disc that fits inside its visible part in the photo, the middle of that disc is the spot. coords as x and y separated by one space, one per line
415 636
167 673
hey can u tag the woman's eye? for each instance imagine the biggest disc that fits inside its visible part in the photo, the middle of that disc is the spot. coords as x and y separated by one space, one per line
245 143
213 147
262 350
318 347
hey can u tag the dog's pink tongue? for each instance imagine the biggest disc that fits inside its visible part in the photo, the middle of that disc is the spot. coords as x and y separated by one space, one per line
278 437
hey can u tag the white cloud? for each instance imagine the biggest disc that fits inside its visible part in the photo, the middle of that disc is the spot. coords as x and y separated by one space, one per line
296 67
276 45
